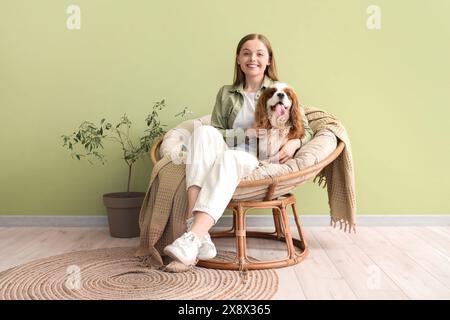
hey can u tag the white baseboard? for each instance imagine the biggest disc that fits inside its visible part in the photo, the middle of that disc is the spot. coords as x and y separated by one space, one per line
53 221
361 220
225 221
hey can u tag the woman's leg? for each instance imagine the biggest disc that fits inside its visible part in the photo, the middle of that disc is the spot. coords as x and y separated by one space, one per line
218 188
205 145
202 220
202 223
192 195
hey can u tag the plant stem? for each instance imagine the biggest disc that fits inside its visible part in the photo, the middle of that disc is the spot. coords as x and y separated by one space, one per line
129 177
128 139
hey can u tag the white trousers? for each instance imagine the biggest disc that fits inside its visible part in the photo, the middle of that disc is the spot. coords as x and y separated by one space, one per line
216 169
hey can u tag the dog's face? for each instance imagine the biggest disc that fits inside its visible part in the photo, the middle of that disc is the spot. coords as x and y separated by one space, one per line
279 103
279 108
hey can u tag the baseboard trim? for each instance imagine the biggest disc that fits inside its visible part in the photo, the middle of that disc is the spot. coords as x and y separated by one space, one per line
225 221
53 221
362 220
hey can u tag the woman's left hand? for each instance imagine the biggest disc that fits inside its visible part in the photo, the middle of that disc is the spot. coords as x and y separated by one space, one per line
287 151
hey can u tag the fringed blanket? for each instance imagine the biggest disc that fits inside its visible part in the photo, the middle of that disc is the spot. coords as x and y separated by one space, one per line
338 176
162 217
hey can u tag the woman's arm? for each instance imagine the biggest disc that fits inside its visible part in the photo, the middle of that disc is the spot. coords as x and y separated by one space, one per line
219 121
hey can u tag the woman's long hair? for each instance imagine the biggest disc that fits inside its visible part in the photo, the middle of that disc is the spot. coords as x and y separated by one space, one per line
271 70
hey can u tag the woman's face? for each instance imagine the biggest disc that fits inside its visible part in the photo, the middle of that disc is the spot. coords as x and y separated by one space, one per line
253 58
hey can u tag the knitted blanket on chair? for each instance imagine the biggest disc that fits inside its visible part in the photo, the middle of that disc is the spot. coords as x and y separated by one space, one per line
162 217
339 175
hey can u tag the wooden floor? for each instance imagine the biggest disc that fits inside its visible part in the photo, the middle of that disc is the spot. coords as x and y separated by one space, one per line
376 263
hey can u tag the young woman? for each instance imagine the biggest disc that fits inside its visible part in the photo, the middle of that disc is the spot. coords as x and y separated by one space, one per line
217 160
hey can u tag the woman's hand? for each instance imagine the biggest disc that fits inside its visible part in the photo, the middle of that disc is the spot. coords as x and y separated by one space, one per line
287 151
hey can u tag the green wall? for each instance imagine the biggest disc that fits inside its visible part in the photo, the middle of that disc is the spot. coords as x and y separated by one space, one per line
390 88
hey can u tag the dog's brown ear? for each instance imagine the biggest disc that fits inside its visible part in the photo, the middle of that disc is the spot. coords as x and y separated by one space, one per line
261 116
297 131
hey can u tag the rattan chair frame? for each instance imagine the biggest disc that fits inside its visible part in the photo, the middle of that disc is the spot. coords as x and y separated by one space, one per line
297 248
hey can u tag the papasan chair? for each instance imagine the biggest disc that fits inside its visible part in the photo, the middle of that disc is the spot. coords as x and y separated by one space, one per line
268 186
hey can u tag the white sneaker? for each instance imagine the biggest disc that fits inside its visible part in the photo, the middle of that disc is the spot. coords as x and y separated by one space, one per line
185 249
208 249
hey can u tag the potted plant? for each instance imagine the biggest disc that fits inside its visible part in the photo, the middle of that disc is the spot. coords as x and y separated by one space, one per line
86 143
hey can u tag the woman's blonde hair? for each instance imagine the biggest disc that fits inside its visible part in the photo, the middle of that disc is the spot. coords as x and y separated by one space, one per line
271 70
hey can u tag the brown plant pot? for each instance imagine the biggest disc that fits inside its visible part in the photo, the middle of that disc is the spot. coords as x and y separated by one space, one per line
123 210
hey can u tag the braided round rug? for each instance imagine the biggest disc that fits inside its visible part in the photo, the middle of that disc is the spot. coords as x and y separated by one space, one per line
115 274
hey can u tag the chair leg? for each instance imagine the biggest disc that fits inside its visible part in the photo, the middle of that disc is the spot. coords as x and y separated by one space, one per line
276 221
299 228
234 220
240 236
283 232
287 233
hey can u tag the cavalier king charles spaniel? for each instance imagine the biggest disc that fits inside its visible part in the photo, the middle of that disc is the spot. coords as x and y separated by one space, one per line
278 113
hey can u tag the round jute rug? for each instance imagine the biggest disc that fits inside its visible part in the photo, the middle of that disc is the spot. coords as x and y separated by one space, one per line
114 273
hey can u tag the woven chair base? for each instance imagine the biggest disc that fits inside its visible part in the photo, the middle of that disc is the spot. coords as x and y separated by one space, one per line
282 228
282 233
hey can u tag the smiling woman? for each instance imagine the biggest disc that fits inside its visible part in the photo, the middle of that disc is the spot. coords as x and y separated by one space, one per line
214 168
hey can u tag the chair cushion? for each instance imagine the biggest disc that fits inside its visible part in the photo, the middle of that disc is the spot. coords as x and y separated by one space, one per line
321 145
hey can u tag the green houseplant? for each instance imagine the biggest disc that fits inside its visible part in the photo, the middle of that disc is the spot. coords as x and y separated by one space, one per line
87 143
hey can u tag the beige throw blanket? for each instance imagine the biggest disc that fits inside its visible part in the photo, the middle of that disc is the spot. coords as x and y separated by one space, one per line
338 175
162 217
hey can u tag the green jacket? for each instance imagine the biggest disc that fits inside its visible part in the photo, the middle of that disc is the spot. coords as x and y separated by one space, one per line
229 102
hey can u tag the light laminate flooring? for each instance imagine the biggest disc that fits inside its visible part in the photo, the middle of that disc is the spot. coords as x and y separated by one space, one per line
375 263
